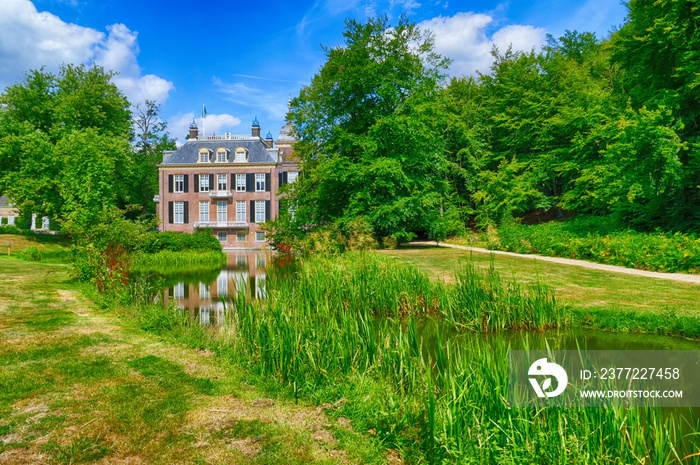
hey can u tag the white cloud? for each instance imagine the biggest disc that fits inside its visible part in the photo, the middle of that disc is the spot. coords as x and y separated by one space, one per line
178 125
269 104
30 39
118 52
463 38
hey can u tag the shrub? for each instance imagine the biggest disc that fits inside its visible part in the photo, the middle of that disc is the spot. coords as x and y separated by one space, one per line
31 253
602 241
10 229
176 242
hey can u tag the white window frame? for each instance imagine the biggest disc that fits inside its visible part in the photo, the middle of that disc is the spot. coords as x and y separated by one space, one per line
292 176
221 157
203 183
240 182
221 213
259 181
179 183
222 284
179 291
240 157
10 219
204 157
240 210
222 236
204 291
259 211
203 211
259 236
241 236
219 177
179 212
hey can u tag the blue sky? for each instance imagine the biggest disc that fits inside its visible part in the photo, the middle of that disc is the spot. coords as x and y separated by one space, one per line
243 59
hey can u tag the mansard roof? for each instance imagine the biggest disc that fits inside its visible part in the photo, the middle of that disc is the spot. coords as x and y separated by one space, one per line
258 151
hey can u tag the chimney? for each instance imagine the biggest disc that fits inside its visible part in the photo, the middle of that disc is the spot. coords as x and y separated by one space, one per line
194 131
256 128
269 140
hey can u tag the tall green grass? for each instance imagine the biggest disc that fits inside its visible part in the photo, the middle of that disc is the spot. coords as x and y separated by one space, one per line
168 262
349 327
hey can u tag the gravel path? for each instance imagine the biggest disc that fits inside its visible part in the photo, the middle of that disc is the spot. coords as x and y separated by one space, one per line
682 277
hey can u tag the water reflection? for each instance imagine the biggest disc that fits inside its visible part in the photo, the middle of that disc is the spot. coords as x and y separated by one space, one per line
203 296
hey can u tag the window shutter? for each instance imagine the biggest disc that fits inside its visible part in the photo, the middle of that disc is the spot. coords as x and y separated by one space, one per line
285 177
233 181
252 211
280 183
268 182
186 209
170 184
267 210
249 182
196 183
170 212
211 182
187 183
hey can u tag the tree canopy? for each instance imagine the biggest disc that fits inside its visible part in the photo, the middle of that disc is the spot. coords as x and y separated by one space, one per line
66 145
369 133
604 127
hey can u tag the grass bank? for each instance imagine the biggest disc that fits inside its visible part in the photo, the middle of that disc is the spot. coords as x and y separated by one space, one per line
345 332
168 262
48 248
599 240
81 385
598 299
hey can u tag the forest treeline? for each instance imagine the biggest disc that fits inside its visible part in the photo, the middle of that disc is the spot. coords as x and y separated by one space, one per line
605 127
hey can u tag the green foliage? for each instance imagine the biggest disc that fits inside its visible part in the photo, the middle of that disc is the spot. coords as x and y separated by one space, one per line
10 229
601 240
176 242
150 142
168 262
101 247
64 141
32 253
369 136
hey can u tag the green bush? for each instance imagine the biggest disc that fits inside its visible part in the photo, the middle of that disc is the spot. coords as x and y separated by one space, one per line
10 229
601 240
176 242
31 253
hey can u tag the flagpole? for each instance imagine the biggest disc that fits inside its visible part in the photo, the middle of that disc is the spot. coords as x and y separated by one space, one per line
204 119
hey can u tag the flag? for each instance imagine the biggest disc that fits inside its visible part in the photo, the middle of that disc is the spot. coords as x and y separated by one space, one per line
204 111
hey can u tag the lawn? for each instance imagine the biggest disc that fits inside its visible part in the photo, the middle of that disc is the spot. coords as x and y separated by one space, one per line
579 287
82 385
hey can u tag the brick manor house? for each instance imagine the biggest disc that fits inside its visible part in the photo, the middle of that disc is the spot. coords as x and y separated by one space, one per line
226 183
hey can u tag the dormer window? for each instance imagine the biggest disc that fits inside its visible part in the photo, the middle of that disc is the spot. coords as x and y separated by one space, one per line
221 155
241 155
203 155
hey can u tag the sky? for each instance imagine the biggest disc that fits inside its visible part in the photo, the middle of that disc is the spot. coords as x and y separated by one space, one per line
245 59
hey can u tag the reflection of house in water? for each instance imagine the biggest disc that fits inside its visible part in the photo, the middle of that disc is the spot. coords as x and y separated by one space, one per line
244 273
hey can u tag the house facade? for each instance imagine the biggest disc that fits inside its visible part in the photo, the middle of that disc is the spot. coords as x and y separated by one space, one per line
228 184
8 212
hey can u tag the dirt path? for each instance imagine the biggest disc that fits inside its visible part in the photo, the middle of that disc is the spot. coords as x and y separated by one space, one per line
681 277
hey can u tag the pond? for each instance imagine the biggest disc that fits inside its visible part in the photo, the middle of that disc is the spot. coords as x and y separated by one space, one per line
203 295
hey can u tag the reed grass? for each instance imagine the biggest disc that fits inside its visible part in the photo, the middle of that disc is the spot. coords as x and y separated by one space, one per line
167 262
348 327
